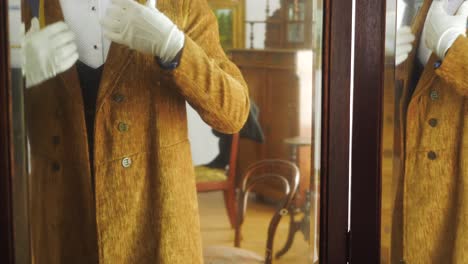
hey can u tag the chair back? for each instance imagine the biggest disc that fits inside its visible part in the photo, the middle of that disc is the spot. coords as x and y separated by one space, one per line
285 172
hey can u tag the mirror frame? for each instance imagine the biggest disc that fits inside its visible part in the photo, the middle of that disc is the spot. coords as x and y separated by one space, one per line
366 161
337 26
6 217
336 80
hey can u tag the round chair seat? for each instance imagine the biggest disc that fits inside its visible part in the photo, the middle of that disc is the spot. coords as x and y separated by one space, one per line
230 255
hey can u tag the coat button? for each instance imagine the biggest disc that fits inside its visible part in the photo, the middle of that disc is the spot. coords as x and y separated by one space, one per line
118 98
434 95
431 155
437 64
55 166
123 127
126 162
433 122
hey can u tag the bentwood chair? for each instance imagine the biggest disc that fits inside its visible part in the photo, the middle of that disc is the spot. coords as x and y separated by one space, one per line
287 173
283 171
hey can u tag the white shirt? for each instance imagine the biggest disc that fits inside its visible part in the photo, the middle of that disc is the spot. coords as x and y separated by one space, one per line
83 17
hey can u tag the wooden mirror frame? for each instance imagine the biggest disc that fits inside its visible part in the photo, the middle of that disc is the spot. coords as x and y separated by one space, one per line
335 132
366 161
334 142
6 217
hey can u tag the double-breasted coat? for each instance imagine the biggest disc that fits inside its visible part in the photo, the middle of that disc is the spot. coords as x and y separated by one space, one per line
141 206
434 190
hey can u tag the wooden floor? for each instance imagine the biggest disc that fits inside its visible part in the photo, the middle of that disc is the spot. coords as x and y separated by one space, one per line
217 231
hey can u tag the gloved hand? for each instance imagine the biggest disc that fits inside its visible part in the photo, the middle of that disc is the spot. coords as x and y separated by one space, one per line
403 39
441 30
47 52
143 28
404 44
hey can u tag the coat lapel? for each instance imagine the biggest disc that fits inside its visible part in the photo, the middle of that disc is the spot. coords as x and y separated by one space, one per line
53 13
118 59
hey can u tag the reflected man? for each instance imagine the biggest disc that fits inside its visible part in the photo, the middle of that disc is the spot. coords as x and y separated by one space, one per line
435 196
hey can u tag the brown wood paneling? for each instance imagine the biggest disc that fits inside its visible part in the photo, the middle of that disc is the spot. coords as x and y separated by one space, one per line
273 85
6 221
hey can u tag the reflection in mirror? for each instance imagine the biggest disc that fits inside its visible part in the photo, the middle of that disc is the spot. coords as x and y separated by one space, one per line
169 131
20 180
278 66
424 169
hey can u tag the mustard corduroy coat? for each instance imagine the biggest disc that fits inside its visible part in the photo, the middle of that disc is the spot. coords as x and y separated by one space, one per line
143 208
435 185
436 165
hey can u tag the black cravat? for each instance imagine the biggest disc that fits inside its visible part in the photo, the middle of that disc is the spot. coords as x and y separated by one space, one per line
90 79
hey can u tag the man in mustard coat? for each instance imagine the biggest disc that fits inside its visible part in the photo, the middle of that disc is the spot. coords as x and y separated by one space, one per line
435 185
131 198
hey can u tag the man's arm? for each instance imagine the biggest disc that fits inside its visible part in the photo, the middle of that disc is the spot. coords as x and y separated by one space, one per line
211 83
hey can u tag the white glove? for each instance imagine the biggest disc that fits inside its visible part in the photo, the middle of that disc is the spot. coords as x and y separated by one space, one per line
143 28
404 44
463 9
404 39
47 52
440 31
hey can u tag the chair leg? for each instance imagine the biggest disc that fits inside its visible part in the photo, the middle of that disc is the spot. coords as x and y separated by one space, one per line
231 206
237 236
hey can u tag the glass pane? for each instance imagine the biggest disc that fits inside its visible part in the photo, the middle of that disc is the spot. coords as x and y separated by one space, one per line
20 181
149 143
424 168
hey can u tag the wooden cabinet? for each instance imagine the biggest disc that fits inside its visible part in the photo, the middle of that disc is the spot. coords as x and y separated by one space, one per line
275 86
290 26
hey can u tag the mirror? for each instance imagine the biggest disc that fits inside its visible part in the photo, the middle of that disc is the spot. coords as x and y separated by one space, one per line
424 151
167 131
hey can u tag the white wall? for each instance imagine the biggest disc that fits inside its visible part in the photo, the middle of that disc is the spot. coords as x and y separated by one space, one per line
204 144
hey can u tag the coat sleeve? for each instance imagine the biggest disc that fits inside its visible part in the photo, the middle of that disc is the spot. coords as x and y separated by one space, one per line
454 68
210 83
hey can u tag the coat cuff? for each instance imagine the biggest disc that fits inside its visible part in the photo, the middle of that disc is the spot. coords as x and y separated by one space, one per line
171 65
